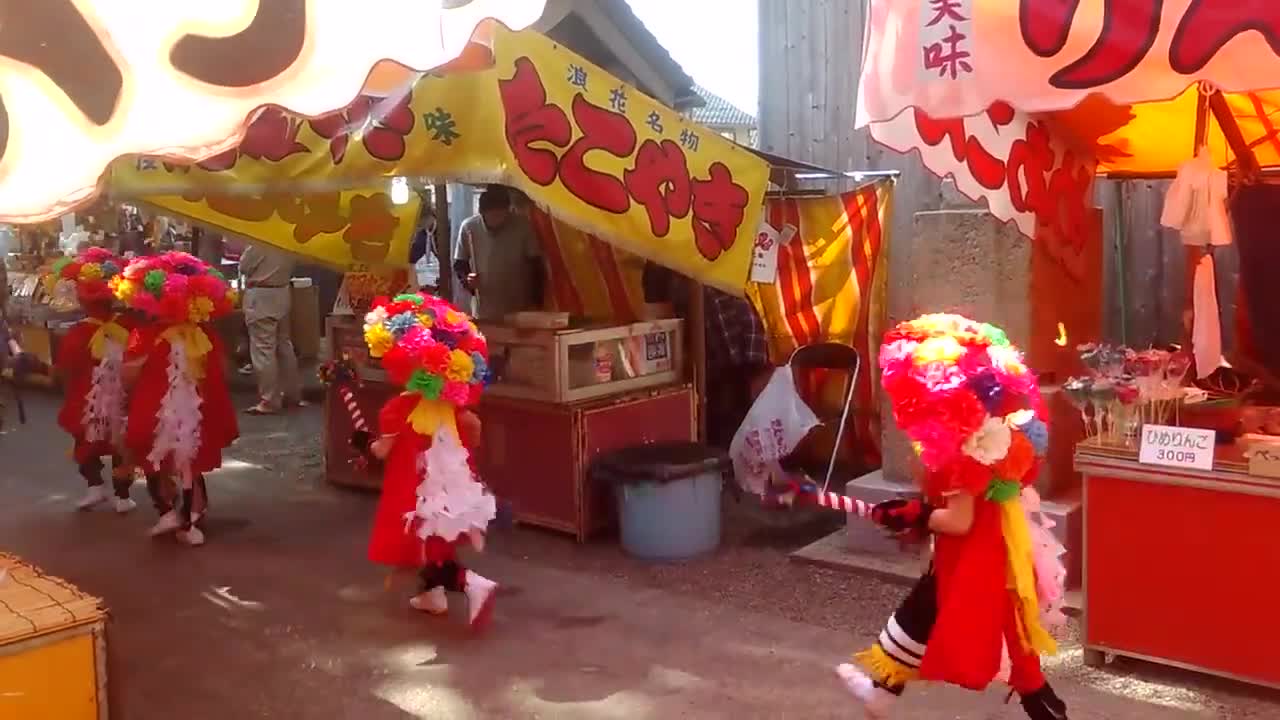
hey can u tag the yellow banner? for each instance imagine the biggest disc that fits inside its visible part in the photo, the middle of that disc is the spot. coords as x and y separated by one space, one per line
593 151
350 230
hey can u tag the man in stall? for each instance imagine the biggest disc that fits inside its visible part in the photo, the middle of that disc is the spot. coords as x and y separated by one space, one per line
499 260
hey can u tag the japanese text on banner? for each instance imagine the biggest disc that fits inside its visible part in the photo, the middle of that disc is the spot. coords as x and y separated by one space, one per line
946 39
595 152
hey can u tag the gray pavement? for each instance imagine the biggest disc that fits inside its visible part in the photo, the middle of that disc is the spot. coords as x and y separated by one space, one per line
280 616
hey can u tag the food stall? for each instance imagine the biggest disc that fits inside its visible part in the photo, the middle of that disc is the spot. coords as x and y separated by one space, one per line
691 200
562 396
1023 103
38 319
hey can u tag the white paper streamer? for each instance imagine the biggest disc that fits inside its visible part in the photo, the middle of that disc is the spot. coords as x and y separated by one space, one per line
451 501
104 408
178 422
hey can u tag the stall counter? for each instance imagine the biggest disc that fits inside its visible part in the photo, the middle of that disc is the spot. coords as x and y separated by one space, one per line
1179 564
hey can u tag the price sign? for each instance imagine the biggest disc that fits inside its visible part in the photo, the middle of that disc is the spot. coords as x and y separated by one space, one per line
1264 460
1178 447
764 257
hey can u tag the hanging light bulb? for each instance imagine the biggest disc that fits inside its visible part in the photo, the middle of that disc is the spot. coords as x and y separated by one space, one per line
399 190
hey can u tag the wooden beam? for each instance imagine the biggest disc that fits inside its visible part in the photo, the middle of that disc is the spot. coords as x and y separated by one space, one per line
696 334
1245 159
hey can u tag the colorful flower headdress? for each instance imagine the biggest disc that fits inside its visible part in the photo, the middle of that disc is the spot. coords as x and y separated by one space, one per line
972 409
429 347
90 273
174 288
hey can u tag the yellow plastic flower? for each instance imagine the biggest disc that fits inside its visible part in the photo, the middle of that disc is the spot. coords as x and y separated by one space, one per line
379 340
460 366
233 297
123 288
92 271
200 309
425 319
945 349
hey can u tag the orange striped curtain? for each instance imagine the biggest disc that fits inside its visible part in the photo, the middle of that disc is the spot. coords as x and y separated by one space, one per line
588 277
831 285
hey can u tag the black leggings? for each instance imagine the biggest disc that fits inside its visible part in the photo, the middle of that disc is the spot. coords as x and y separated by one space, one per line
449 575
91 471
164 496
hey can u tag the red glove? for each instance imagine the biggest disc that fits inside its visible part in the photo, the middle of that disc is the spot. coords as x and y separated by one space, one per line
902 514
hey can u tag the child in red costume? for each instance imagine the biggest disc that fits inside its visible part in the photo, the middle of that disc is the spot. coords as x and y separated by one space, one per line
959 390
90 363
180 412
431 500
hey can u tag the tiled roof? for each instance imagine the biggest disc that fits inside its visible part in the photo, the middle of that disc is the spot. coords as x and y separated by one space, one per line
718 112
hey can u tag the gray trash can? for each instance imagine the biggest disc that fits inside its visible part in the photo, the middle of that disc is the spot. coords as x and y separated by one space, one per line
668 498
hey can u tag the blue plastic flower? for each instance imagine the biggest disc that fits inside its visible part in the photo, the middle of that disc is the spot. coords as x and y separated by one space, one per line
1038 434
400 324
480 373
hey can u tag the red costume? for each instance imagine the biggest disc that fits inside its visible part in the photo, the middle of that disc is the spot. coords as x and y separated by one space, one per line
90 362
75 363
218 425
389 544
961 392
180 413
431 498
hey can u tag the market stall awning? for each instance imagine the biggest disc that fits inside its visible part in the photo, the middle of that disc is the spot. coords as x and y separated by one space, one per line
90 81
592 150
1119 75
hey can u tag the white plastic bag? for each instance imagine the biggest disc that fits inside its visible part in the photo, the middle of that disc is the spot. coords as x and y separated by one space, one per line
776 423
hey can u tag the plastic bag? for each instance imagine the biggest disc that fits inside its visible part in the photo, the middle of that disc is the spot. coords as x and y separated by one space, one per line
777 422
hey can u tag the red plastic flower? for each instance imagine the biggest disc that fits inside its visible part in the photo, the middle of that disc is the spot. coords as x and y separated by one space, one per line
1019 461
435 358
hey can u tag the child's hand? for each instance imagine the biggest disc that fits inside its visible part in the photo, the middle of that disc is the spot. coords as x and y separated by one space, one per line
902 515
381 447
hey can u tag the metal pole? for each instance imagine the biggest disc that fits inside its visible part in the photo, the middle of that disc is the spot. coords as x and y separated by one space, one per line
443 246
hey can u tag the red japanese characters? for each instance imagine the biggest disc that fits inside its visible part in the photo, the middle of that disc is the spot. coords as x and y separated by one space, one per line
382 126
1129 31
542 139
1055 193
273 135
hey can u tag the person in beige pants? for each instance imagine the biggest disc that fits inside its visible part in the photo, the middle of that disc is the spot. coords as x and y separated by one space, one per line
267 272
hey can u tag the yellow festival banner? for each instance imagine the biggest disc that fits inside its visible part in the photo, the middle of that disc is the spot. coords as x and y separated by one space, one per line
592 150
350 230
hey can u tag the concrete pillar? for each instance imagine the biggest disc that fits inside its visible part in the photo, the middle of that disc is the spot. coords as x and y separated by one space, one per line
962 259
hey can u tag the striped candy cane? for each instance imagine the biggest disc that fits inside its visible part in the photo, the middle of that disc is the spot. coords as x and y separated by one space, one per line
349 400
843 503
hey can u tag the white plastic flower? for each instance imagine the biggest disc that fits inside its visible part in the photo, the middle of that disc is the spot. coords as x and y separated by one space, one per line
375 316
990 443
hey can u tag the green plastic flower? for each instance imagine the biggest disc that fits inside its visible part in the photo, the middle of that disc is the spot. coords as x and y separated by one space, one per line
427 384
409 297
994 334
153 281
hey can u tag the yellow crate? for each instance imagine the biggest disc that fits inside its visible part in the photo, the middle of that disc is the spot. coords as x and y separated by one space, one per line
53 660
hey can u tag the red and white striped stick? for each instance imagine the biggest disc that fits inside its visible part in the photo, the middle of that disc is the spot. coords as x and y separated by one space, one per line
349 400
843 503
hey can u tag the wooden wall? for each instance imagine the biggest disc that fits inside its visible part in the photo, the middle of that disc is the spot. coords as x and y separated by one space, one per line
1146 281
810 53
